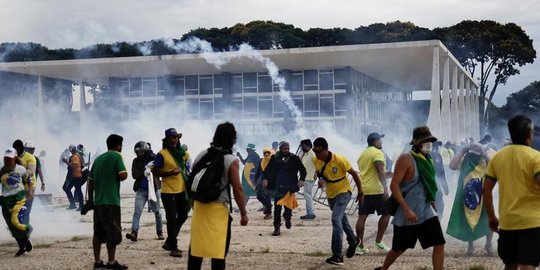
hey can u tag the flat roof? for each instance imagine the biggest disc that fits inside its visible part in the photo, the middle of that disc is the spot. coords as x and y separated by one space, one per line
404 65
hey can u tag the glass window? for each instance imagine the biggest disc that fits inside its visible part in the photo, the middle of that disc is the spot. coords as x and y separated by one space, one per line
192 82
296 82
135 84
327 106
311 77
279 106
265 108
237 85
207 110
206 87
236 108
123 88
178 87
250 80
311 114
299 102
219 105
149 88
341 102
219 81
326 81
311 87
161 83
311 102
265 84
250 105
192 106
341 76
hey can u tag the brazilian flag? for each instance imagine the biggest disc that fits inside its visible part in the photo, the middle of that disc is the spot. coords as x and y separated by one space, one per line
468 220
248 174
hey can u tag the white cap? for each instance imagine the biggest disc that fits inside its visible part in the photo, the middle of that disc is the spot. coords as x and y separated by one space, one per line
10 153
29 144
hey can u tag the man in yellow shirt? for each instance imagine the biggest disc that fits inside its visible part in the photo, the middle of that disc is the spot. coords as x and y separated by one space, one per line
516 168
372 164
332 170
28 161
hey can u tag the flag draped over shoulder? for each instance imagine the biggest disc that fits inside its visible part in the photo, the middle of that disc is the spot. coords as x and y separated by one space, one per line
468 220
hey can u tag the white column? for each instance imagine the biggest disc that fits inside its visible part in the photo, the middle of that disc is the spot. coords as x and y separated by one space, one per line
446 121
454 110
82 102
467 110
40 107
461 105
477 113
434 118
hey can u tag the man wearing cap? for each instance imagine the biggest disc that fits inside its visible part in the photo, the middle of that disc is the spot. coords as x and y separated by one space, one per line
170 165
281 177
30 148
248 173
13 178
28 161
307 156
372 165
416 218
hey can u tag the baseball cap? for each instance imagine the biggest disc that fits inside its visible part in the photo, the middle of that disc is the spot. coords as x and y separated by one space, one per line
10 153
373 136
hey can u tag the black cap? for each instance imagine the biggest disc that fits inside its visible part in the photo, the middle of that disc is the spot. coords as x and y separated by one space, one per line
373 137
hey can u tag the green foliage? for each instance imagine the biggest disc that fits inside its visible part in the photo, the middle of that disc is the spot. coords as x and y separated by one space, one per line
525 101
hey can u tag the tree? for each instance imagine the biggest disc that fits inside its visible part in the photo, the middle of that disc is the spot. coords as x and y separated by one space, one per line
526 101
489 50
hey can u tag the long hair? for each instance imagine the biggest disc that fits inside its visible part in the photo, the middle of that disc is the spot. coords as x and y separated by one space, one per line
225 136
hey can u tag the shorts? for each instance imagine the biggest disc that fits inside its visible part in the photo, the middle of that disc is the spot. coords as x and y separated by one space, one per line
429 233
107 226
519 246
373 203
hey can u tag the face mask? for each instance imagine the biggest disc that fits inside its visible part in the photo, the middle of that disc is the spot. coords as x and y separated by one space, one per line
426 148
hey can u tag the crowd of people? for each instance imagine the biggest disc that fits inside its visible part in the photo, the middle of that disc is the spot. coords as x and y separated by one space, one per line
416 183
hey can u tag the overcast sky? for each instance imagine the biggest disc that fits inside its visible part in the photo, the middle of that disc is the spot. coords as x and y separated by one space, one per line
75 24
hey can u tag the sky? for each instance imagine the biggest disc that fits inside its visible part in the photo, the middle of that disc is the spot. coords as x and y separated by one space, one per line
76 24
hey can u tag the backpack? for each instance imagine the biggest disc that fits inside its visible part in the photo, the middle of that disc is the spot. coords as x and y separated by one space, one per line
205 178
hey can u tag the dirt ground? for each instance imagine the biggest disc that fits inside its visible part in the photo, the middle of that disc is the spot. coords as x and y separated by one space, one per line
62 240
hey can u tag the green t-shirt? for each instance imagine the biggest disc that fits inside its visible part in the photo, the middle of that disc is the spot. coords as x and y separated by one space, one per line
105 173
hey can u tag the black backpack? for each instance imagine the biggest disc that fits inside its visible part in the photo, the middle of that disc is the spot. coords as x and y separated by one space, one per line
205 178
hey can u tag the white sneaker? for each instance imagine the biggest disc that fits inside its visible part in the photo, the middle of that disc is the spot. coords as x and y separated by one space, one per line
361 250
382 246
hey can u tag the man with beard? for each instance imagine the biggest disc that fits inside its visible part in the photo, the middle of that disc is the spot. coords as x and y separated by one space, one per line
281 178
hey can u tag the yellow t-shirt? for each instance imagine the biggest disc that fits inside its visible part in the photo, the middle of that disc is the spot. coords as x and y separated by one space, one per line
173 183
371 185
29 161
336 169
515 167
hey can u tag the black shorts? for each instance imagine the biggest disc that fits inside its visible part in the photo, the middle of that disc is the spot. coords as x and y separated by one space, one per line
429 233
519 246
373 203
107 226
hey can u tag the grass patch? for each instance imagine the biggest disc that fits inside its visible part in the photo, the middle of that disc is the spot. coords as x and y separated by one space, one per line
44 245
300 225
77 238
317 253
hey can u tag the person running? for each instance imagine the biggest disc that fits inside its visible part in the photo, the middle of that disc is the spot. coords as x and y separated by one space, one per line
76 165
30 148
516 168
307 156
372 166
262 193
69 182
104 195
332 169
416 219
28 161
211 222
142 190
170 165
14 178
468 219
281 178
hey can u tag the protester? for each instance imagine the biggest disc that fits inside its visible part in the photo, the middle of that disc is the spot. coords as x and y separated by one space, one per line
516 168
248 173
170 165
69 182
14 178
307 156
415 218
468 219
211 222
372 165
262 193
28 161
142 190
104 195
332 170
281 179
30 148
440 177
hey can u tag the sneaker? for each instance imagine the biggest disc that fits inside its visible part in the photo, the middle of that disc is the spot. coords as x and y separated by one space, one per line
267 216
335 260
288 224
20 252
308 217
160 236
382 246
99 265
28 245
351 249
132 236
115 265
176 253
361 250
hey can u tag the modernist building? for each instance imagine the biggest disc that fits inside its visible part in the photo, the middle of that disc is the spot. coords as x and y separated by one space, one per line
356 88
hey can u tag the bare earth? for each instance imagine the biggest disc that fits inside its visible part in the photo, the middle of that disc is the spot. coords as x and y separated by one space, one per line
62 240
